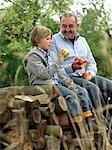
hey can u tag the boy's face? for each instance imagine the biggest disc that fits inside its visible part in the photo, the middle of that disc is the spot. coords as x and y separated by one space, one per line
45 43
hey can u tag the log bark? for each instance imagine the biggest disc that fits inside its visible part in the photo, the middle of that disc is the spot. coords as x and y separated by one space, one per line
53 143
5 116
36 114
53 119
51 90
63 119
55 130
60 105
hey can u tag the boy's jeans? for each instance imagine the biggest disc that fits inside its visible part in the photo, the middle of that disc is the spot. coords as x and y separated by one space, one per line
75 104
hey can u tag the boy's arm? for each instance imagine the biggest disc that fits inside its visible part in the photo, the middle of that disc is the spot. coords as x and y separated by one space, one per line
36 66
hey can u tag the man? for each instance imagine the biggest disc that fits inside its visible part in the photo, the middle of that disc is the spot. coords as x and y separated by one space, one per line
82 74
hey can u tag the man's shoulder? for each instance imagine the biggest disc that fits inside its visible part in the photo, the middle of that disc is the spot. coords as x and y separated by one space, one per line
81 37
56 35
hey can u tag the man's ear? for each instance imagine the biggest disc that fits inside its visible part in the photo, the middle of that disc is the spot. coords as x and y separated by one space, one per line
78 25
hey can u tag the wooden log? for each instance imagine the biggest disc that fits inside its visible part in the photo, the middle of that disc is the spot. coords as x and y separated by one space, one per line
45 112
53 119
51 90
5 116
39 132
51 107
37 135
3 106
14 137
53 143
27 146
42 98
35 104
55 130
17 104
63 119
36 116
60 104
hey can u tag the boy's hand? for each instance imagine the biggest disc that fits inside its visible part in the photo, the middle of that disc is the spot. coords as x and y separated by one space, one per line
62 54
72 85
87 75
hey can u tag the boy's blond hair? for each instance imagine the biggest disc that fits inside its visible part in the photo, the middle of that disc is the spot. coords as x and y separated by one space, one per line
38 33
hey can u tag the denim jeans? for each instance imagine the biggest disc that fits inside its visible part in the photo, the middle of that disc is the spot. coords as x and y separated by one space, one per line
95 94
75 105
105 86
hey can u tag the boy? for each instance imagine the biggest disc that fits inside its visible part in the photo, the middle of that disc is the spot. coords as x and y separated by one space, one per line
42 68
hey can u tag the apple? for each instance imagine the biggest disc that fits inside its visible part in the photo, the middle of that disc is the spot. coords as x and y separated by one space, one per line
80 61
86 75
66 52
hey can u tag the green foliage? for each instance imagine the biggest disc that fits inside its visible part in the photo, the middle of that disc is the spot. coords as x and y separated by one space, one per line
16 22
92 28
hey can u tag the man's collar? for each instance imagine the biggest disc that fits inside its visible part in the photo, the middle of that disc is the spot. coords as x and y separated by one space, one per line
76 35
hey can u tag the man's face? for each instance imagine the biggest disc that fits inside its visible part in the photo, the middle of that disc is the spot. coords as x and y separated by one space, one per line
68 26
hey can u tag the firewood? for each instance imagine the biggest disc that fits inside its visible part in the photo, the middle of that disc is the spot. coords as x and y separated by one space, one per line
3 106
5 116
42 127
53 143
35 104
65 146
63 119
51 90
11 124
42 98
17 104
51 107
27 146
47 110
60 104
55 130
38 135
44 111
14 137
36 116
39 132
53 119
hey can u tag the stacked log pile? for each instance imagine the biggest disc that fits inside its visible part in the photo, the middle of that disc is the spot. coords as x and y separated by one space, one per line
37 118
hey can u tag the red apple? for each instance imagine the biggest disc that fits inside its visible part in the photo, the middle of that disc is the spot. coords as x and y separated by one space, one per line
80 61
86 75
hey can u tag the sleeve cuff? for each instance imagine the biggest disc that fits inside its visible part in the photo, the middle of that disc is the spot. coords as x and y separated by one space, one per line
69 69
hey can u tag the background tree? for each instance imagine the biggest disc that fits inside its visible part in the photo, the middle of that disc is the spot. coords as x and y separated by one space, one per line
95 28
17 20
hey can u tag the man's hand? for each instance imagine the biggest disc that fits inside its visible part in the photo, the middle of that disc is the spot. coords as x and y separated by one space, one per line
87 75
79 63
72 85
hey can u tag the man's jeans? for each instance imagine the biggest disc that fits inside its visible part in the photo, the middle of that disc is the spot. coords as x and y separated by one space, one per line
75 104
99 89
105 86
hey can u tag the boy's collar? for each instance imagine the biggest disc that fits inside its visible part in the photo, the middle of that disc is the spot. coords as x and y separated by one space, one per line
41 50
